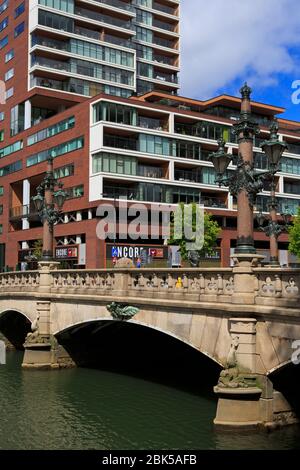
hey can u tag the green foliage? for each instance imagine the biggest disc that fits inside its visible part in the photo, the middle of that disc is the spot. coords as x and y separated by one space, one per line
37 249
294 233
211 233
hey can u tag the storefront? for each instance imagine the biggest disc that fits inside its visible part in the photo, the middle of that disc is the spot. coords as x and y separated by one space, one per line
143 256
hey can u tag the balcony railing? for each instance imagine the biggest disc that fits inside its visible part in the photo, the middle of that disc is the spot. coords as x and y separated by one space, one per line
164 8
103 18
163 42
166 77
20 212
105 37
120 142
188 176
162 59
149 171
117 4
293 148
163 25
213 202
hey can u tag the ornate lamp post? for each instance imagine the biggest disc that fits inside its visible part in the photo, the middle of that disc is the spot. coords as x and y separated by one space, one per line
245 182
273 149
48 203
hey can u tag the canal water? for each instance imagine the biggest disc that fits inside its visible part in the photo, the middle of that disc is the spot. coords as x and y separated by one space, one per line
94 409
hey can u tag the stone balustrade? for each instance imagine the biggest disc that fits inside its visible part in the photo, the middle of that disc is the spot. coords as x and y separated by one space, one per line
272 286
25 281
277 284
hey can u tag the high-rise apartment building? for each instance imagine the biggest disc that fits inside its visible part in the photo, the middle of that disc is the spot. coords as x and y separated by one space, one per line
93 84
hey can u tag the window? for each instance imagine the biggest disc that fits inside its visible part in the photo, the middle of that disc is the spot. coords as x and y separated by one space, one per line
54 152
76 191
64 171
4 24
20 9
1 135
3 6
17 119
9 93
1 190
6 170
9 74
64 5
2 116
11 148
9 55
19 29
3 42
1 229
1 209
112 163
51 131
115 113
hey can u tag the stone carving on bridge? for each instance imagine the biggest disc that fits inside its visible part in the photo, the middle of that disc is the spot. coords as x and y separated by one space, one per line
292 288
35 337
231 377
122 311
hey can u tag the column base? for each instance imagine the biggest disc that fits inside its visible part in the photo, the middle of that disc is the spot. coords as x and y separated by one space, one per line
238 408
39 356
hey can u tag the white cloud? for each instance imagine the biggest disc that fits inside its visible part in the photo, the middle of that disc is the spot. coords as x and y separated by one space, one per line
226 40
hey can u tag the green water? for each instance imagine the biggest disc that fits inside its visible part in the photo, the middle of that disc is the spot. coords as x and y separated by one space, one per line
92 409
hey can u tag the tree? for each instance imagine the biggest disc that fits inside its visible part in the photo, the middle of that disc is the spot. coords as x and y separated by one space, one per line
294 232
37 250
211 233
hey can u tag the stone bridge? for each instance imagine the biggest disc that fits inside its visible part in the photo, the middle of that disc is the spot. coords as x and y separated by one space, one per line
246 319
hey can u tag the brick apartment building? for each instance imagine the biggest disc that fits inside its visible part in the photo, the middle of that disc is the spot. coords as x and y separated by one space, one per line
94 85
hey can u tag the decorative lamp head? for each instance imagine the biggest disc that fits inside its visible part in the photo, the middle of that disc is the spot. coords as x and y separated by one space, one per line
220 159
274 148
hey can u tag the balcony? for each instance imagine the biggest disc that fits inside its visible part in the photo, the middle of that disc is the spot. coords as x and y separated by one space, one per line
117 4
150 123
147 171
22 212
166 77
92 15
81 88
120 142
162 59
213 202
95 71
207 130
191 176
293 148
163 25
164 8
163 42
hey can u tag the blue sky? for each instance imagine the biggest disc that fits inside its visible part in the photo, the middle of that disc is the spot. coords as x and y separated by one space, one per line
226 42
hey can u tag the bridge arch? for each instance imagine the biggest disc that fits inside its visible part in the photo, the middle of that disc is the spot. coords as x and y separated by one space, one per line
165 332
14 326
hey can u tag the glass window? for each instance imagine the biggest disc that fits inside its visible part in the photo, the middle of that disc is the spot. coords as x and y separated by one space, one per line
2 116
51 131
1 190
3 42
112 112
1 135
6 170
15 147
4 6
9 93
3 24
9 55
54 152
19 29
20 9
64 171
9 74
17 119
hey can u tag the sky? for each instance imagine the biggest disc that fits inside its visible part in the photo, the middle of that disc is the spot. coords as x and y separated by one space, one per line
227 42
